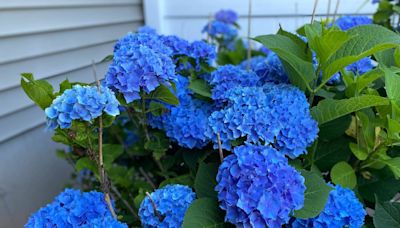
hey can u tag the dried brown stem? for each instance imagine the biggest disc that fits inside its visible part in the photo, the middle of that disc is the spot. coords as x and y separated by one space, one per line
314 11
336 11
103 178
146 176
118 194
221 154
154 207
248 37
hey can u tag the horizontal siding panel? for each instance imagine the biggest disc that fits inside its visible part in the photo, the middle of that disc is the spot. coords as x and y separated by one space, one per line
23 4
40 20
25 114
9 106
46 66
47 43
191 29
179 8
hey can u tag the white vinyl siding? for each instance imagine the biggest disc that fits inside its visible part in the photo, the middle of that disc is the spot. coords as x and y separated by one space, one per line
54 40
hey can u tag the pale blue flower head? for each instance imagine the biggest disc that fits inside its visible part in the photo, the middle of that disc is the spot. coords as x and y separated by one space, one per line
257 187
141 62
221 31
83 103
171 201
348 22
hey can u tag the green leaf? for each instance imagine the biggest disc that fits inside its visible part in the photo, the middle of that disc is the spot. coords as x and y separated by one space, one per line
334 129
380 183
39 91
360 153
315 197
156 108
158 145
200 87
392 84
111 152
387 214
330 109
364 42
205 181
330 152
164 94
203 213
343 174
184 180
363 81
108 58
86 163
294 58
64 86
394 165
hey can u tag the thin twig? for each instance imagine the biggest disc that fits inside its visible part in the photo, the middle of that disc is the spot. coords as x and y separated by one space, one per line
146 176
154 207
210 17
314 11
336 11
248 37
329 11
126 203
104 182
221 154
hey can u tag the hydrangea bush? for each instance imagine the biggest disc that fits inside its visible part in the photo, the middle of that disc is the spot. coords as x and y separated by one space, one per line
287 130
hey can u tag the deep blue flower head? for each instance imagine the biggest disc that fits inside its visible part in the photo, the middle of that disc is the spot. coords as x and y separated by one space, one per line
257 187
178 45
375 1
147 29
172 201
361 66
343 209
276 114
227 16
269 69
348 22
141 63
201 50
187 122
83 103
228 77
221 30
74 209
265 50
108 222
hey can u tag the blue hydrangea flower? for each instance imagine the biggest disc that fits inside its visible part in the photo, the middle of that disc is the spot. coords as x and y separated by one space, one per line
84 103
178 45
73 209
226 16
201 50
269 69
257 187
221 31
228 77
276 114
265 50
147 29
361 67
186 123
343 209
171 201
141 63
348 22
108 222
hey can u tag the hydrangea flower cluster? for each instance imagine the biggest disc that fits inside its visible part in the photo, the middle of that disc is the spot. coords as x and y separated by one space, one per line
228 77
269 69
75 209
272 114
178 45
221 31
226 16
258 188
348 22
147 29
141 63
343 209
81 103
186 123
361 67
171 201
